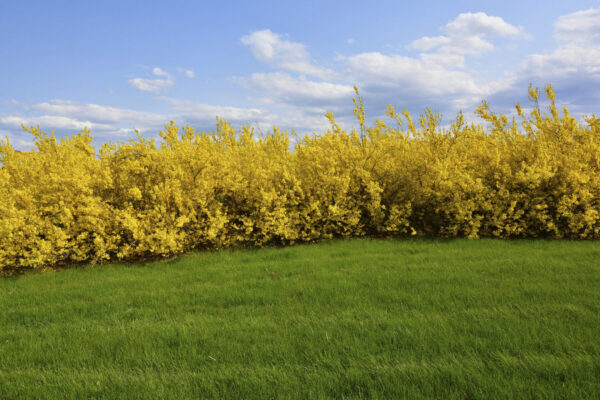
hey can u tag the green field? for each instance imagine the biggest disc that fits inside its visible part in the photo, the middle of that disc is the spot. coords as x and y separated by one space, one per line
361 318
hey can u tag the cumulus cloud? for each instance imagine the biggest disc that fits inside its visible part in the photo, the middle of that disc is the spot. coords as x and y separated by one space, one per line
94 112
581 27
54 121
66 116
443 75
480 24
303 120
187 72
271 48
417 83
566 59
113 123
154 85
439 74
578 50
17 140
572 67
206 113
431 75
281 86
427 43
466 35
151 85
160 72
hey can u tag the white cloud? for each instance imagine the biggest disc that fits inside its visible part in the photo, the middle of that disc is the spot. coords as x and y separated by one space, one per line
96 112
206 113
417 83
160 72
297 91
188 72
565 59
153 85
578 52
54 121
466 33
110 123
427 43
438 74
427 75
442 75
301 119
18 141
581 27
480 24
573 67
350 41
270 48
442 61
64 117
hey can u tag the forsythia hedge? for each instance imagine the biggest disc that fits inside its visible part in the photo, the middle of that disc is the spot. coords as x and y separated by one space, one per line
66 203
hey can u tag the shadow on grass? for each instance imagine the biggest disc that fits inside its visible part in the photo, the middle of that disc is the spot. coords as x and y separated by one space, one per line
174 259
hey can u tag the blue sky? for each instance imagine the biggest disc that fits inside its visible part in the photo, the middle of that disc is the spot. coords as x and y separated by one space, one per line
118 65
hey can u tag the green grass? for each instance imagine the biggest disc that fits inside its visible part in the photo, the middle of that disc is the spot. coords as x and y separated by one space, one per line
342 319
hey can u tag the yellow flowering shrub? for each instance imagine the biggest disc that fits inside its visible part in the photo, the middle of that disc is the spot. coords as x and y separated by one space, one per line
66 203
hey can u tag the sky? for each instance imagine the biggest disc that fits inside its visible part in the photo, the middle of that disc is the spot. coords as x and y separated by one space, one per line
118 66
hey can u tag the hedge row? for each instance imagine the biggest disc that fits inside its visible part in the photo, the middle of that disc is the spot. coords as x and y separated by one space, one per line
65 202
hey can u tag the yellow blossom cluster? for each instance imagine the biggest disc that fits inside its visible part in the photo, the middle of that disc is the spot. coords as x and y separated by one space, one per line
65 202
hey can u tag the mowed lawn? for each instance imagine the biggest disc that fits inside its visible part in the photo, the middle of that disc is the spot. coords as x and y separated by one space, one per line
462 319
